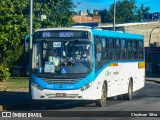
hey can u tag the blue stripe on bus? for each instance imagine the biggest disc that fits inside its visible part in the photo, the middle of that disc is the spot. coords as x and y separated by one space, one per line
77 85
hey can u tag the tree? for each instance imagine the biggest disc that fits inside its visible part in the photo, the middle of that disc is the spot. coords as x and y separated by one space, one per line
11 32
58 12
14 17
103 14
126 11
140 11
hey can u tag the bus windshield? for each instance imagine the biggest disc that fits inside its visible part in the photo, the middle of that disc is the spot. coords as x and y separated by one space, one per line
62 57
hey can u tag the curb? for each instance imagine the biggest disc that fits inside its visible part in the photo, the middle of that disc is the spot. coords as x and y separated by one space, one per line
157 80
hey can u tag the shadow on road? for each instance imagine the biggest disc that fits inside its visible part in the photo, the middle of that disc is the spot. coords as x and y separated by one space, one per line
11 97
13 100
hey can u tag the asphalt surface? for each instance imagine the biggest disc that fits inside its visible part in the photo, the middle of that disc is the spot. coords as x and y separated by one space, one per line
13 100
146 99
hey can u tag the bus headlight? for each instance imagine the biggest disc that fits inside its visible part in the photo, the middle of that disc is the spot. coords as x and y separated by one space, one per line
36 86
86 86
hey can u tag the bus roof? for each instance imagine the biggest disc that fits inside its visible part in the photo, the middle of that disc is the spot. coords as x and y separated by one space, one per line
113 34
99 32
86 28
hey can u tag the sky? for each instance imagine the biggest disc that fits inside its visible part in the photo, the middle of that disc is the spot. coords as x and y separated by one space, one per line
105 4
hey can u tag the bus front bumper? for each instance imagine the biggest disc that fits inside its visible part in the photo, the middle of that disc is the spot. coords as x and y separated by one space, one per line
92 93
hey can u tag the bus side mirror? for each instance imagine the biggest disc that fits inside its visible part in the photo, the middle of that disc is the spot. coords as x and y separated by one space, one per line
26 43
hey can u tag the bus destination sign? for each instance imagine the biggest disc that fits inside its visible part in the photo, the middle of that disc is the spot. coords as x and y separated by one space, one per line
66 34
62 34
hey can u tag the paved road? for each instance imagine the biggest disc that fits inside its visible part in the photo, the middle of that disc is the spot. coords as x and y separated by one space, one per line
146 99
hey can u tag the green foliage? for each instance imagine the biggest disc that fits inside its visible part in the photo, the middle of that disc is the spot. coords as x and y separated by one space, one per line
103 14
126 11
140 12
13 28
58 13
4 73
14 25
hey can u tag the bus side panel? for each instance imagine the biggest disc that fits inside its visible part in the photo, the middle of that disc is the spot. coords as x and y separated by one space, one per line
118 75
139 80
110 73
131 71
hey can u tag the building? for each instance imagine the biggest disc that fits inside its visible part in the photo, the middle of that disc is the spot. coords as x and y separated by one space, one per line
152 16
144 29
85 17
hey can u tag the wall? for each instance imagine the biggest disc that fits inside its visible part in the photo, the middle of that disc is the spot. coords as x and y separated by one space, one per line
145 30
86 19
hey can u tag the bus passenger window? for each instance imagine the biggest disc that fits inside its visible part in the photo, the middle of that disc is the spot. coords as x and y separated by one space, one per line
111 55
118 46
117 52
103 43
98 51
129 46
123 49
135 52
110 43
141 50
104 49
110 48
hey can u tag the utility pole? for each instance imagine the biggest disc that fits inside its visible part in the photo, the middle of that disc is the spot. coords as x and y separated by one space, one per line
78 3
31 9
114 22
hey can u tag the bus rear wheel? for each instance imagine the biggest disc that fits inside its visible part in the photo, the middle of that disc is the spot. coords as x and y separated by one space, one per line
102 102
128 96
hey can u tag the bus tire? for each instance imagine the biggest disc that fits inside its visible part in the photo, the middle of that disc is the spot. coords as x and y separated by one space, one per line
102 102
128 96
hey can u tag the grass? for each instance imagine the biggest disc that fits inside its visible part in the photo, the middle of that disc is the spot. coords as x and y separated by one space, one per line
15 83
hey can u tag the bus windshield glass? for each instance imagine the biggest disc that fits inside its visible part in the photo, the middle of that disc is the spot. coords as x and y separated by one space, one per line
62 57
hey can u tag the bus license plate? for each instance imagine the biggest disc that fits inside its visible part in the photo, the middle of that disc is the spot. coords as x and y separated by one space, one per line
60 94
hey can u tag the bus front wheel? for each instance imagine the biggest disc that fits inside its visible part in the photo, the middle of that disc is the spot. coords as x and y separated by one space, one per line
102 102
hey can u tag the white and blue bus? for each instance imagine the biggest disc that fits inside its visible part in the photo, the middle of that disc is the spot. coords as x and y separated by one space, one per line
81 63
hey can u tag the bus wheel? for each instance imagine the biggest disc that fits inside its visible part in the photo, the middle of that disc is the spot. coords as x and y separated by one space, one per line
102 102
128 96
